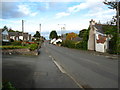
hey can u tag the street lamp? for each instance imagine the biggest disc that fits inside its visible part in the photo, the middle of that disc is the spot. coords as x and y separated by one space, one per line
63 27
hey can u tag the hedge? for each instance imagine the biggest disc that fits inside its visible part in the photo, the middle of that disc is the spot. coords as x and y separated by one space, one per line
73 44
32 47
12 47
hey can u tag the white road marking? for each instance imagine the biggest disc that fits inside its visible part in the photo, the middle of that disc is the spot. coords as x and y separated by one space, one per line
60 68
63 71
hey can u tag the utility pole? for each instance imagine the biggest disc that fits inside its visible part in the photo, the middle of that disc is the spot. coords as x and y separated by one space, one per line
40 28
118 26
23 31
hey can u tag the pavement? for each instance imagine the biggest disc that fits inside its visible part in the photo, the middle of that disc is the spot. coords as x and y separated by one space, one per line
59 67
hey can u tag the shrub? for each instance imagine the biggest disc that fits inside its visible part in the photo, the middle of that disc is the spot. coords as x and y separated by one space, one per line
8 86
32 47
15 43
11 40
78 45
12 47
68 43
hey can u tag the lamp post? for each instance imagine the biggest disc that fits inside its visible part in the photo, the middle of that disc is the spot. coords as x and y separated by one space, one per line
63 27
23 31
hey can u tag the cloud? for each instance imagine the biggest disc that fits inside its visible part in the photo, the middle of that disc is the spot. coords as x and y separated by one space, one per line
9 10
93 6
62 14
101 14
77 7
26 10
15 10
43 0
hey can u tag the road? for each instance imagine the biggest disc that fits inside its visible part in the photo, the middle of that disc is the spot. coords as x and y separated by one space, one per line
60 67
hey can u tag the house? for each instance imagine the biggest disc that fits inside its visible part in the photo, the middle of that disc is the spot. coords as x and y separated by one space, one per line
77 39
53 40
19 36
57 41
98 40
14 35
4 35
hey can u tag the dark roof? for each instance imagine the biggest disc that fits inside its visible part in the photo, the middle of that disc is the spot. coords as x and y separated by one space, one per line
13 33
1 30
99 28
77 39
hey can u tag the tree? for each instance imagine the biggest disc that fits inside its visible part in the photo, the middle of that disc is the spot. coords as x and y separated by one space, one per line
114 30
37 35
71 36
114 5
10 30
81 33
53 34
5 27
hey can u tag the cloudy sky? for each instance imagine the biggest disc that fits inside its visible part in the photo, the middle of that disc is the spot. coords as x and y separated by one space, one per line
75 14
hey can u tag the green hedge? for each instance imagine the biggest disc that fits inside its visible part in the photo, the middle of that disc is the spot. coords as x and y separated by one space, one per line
16 43
8 86
73 44
32 47
68 43
12 47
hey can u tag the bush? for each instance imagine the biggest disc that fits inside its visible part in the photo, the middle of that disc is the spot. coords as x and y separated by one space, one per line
12 47
11 40
68 43
32 47
73 44
16 43
8 86
78 45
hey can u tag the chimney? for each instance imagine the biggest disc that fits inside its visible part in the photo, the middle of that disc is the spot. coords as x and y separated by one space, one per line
92 22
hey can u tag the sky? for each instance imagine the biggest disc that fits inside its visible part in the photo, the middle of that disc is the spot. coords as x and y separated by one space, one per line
53 14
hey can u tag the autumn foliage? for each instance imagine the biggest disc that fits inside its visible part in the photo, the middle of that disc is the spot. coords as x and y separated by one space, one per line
71 36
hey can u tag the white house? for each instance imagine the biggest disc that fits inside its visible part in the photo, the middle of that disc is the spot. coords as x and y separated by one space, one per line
4 35
53 40
98 41
58 40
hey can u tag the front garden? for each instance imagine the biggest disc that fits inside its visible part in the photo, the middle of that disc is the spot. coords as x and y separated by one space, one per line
19 47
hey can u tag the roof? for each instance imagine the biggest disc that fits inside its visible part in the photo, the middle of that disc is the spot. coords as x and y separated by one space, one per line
1 29
101 39
13 33
77 39
99 28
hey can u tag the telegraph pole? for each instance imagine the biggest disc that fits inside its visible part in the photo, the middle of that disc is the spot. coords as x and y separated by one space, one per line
40 28
23 31
118 26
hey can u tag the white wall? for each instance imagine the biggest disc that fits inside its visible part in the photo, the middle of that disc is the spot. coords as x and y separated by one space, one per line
21 37
100 47
12 37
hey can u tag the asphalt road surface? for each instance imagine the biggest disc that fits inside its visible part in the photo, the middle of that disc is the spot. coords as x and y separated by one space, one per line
59 67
